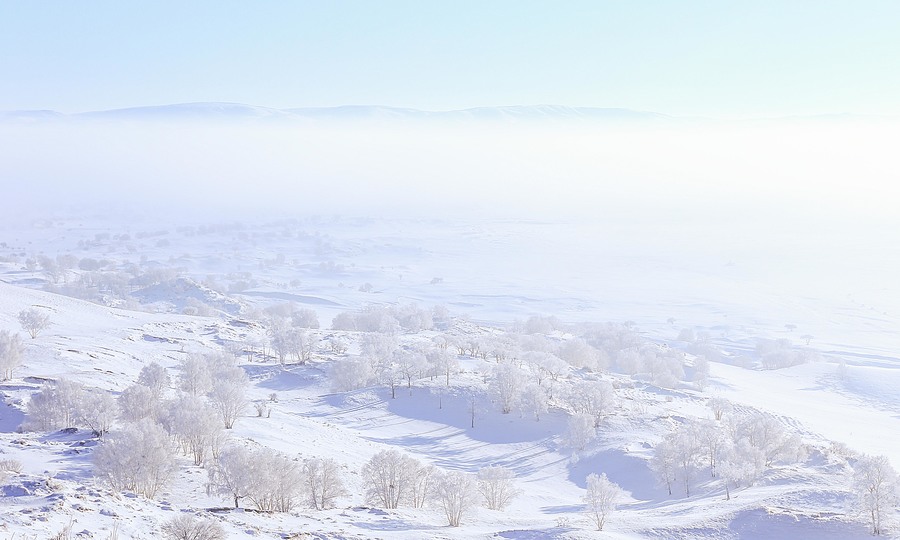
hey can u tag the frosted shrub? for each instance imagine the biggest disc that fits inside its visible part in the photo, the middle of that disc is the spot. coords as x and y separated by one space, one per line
188 527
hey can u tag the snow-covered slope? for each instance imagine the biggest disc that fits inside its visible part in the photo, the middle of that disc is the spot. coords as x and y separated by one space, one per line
486 279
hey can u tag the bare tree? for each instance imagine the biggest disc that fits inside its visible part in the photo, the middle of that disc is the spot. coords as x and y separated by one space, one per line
33 321
601 498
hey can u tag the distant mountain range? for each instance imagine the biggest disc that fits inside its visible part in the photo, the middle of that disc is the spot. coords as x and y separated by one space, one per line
211 111
237 111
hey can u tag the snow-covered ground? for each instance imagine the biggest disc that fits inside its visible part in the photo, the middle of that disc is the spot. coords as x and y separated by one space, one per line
827 295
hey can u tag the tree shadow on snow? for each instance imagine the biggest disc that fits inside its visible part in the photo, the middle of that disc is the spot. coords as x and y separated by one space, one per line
630 472
764 523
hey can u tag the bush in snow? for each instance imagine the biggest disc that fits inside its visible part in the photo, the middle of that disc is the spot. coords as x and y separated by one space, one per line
188 527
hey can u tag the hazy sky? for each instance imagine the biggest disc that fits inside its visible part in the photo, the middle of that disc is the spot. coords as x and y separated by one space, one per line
712 58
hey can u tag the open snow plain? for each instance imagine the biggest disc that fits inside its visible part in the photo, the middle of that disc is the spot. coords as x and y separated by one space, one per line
678 322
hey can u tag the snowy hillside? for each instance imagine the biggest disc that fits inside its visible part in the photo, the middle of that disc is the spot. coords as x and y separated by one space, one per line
724 408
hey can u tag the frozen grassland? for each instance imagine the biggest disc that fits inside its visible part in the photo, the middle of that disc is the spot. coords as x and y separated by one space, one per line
674 296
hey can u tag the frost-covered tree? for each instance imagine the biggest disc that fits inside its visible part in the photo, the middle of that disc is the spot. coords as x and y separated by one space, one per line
601 498
410 365
580 431
137 458
713 440
770 437
664 463
719 407
232 475
322 477
98 411
33 321
442 362
228 394
422 484
351 373
456 492
507 384
55 406
579 354
533 401
156 378
388 477
11 350
875 485
497 486
305 318
195 425
137 402
740 463
377 346
595 398
687 449
278 481
189 527
195 377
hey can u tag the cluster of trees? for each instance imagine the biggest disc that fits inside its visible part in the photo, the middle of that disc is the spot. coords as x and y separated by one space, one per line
140 455
781 353
390 319
737 449
274 482
393 479
289 341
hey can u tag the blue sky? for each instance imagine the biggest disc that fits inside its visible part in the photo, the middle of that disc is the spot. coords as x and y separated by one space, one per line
710 58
